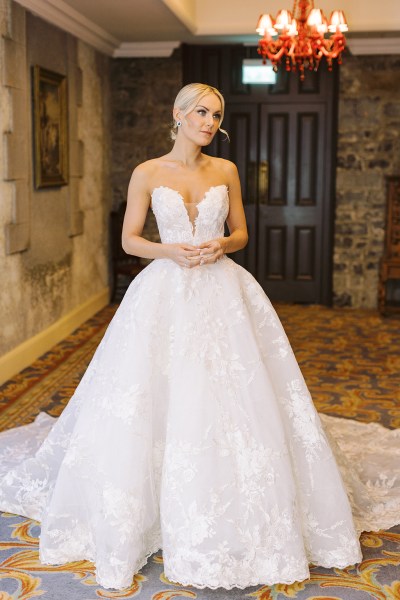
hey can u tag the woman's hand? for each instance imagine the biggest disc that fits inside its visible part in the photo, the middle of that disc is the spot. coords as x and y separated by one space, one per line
210 252
184 255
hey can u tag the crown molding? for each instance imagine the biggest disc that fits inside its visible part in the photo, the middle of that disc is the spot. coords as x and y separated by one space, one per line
182 12
145 49
374 45
59 13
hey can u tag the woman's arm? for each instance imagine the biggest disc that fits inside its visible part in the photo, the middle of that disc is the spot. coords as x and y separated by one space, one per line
236 220
135 216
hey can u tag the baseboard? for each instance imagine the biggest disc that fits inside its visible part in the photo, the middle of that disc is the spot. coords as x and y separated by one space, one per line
26 353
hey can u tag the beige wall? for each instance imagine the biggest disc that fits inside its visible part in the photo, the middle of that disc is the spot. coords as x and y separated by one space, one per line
65 260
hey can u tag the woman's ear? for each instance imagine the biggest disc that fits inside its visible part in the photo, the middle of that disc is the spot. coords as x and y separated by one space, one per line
177 115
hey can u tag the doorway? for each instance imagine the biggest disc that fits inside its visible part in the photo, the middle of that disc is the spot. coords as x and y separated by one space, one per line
283 141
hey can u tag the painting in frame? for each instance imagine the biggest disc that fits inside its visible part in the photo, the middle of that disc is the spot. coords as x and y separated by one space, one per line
50 128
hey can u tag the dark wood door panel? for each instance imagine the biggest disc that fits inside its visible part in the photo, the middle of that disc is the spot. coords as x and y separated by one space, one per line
308 151
288 259
292 141
241 122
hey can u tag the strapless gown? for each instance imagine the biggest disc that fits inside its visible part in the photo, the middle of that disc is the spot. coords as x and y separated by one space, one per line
193 431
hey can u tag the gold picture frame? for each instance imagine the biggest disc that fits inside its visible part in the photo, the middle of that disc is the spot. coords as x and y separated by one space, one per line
50 128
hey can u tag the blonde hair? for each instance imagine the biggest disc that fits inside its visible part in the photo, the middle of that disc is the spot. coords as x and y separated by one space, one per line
188 98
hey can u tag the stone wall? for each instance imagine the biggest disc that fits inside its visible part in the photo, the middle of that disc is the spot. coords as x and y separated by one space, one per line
142 94
368 150
54 241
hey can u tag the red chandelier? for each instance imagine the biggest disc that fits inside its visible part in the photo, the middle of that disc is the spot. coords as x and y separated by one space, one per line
300 38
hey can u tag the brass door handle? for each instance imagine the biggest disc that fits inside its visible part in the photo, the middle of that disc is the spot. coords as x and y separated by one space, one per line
263 181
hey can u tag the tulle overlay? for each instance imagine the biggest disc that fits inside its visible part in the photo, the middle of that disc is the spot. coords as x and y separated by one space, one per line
193 431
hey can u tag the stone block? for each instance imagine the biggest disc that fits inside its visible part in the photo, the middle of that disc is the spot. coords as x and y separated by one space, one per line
5 18
18 25
17 237
21 202
78 86
76 223
74 82
342 300
348 161
369 109
380 163
20 111
75 215
351 228
76 160
392 109
16 156
14 74
359 180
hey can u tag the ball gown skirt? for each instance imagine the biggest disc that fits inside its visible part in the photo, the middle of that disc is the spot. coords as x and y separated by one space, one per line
193 431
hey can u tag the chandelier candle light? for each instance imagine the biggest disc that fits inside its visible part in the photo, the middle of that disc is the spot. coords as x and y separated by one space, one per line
298 37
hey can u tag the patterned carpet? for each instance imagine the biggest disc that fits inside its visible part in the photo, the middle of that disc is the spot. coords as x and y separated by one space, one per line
351 361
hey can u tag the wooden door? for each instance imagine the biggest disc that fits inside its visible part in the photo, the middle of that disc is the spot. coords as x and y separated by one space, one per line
290 200
283 142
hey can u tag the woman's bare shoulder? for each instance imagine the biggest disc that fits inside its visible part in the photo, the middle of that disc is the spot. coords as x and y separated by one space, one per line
147 167
145 173
223 164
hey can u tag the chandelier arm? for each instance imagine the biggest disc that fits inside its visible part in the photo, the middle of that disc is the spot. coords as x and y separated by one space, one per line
273 56
331 48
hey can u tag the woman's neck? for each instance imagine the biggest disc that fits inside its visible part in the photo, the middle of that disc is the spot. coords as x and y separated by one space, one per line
188 154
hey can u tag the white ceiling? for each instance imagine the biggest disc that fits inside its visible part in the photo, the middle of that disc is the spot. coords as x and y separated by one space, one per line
131 27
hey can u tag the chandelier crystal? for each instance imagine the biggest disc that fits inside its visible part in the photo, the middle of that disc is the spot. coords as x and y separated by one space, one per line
301 38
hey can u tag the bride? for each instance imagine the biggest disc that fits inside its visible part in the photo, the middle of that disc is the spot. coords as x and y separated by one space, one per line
192 429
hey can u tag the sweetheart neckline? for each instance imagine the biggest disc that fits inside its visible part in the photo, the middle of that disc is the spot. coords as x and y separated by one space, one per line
166 187
192 224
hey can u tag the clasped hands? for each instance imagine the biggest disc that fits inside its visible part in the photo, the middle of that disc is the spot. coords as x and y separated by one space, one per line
190 256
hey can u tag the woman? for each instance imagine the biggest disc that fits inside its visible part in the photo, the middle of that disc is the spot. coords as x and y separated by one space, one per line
192 428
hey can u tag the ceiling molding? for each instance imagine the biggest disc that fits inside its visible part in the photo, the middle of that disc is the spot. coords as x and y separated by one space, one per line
60 14
145 49
180 9
372 46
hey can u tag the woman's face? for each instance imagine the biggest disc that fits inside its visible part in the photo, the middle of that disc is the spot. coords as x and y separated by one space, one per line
202 123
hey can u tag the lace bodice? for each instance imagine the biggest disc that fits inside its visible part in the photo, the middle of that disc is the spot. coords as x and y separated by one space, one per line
174 223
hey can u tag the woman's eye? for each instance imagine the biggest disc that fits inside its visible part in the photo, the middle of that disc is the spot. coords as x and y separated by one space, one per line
217 117
201 112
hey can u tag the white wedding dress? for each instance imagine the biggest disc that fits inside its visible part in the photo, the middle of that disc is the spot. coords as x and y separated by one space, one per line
193 431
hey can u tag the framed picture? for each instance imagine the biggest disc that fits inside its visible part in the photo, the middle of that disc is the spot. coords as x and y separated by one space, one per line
50 128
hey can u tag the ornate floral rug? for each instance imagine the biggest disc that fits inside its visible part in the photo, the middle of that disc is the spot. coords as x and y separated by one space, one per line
351 362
